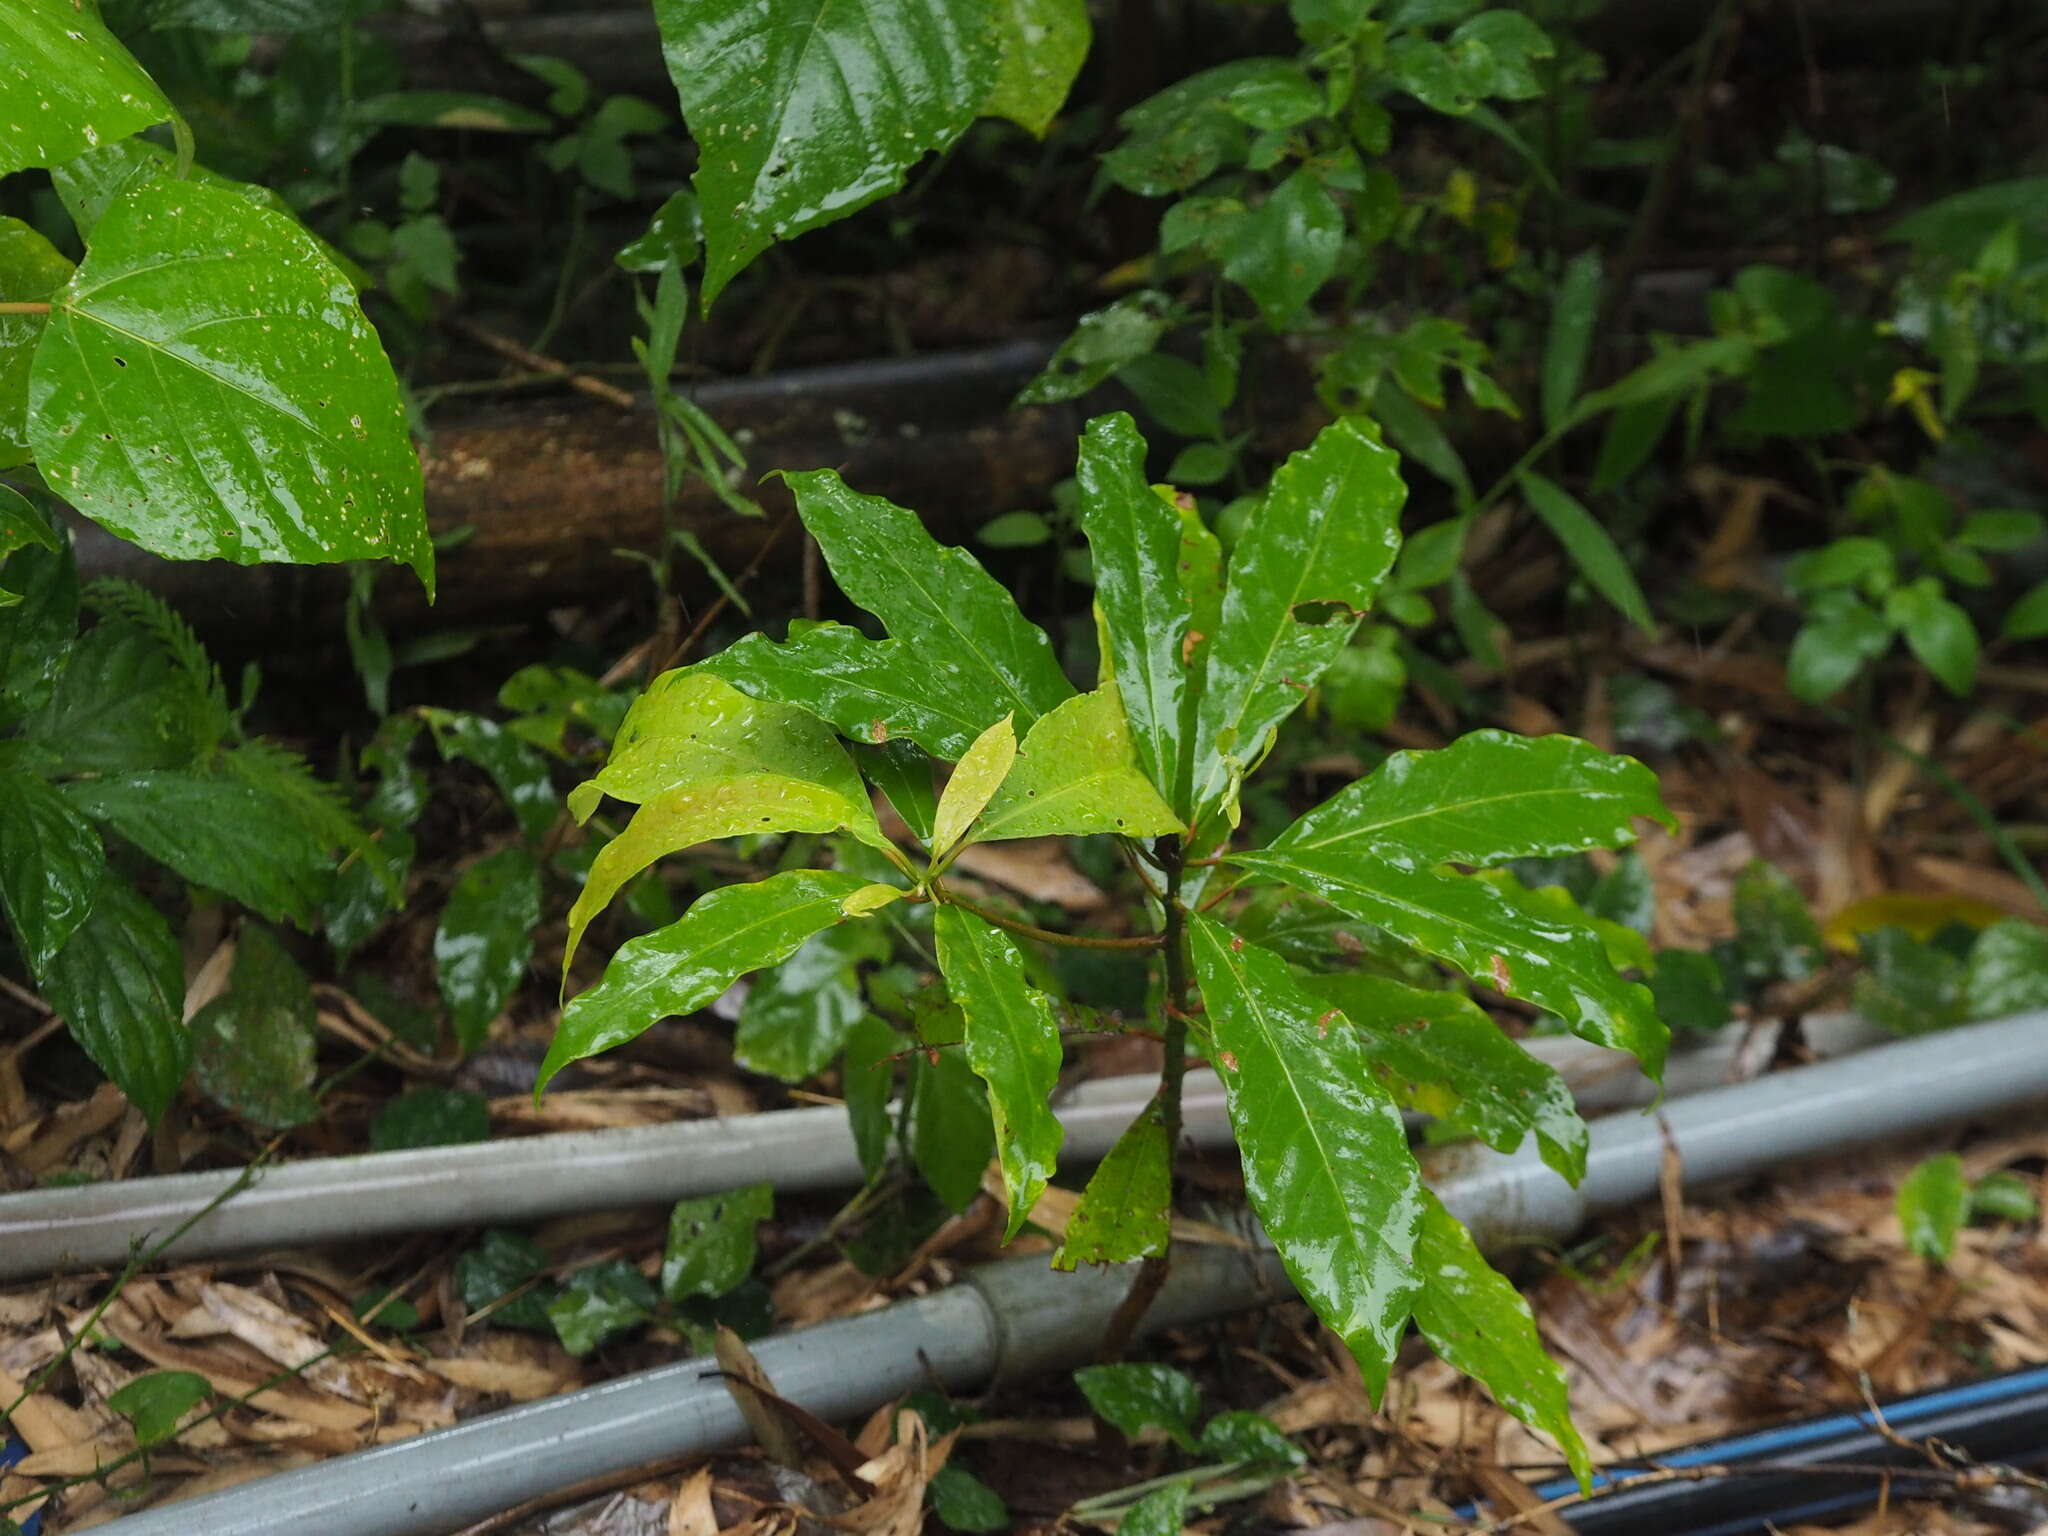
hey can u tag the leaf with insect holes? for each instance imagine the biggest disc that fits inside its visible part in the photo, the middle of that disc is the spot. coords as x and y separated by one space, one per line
1438 1052
1013 1044
119 981
1077 773
711 1241
974 779
68 85
1325 534
1558 965
805 110
707 761
1326 1157
1481 1325
1127 1208
681 968
1489 797
208 388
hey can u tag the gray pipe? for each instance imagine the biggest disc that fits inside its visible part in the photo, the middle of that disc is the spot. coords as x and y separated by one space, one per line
505 1183
1021 1317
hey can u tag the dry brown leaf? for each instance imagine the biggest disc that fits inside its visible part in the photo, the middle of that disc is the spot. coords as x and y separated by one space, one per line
522 1383
899 1477
276 1334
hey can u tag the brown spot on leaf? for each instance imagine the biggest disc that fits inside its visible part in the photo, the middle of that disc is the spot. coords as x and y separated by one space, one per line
1503 979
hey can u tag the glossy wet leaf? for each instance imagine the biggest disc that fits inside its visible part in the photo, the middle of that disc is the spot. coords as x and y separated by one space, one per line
252 1047
22 527
116 705
934 598
1135 1396
501 1263
1590 546
1162 1512
208 388
1326 1157
1013 1045
1238 1435
1573 312
1556 964
1101 342
963 1502
1439 1053
681 968
1489 797
519 772
797 1016
37 634
1625 947
119 981
1481 1325
711 1241
600 1302
1042 44
50 863
1776 937
485 940
951 1135
1134 539
805 110
156 1401
1933 1203
1126 1210
30 269
2007 971
1325 534
1908 985
973 780
219 832
1287 247
67 85
867 1081
431 1117
1077 773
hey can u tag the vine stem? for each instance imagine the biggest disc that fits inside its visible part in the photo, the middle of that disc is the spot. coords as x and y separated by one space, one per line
1046 935
25 307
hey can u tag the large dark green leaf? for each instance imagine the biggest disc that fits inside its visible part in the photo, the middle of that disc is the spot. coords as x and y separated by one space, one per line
1489 797
50 863
873 691
119 984
1077 773
485 939
1481 1325
22 527
867 1079
936 599
1013 1044
1042 45
208 388
67 84
30 269
804 110
221 833
1326 1157
1134 538
119 706
681 968
1325 534
1127 1209
797 1017
707 761
1438 1052
37 633
951 1138
1559 965
252 1047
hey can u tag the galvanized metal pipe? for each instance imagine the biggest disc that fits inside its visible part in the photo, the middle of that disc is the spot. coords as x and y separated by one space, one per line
1021 1317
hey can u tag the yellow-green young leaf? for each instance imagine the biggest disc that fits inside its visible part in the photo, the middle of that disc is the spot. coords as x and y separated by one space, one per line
961 625
1134 542
1481 1325
1043 43
1438 1053
1126 1211
1489 797
871 898
1013 1045
1077 773
208 388
681 968
66 84
30 268
1465 922
1326 1159
808 109
1324 537
975 777
705 761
